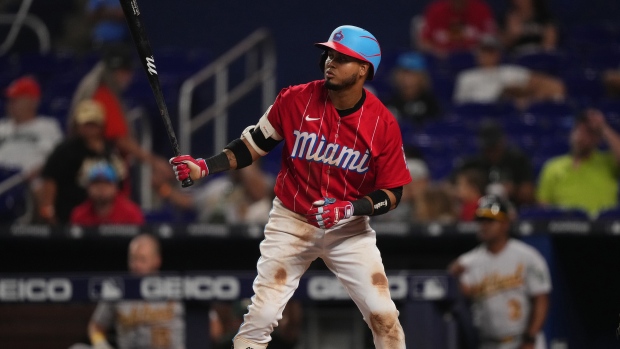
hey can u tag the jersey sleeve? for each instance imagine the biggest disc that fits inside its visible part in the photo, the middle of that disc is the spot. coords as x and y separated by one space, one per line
391 164
537 278
103 315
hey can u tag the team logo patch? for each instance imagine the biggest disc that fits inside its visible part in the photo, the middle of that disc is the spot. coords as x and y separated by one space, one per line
338 36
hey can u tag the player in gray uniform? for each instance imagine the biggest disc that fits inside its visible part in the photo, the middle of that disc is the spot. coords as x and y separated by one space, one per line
140 324
507 281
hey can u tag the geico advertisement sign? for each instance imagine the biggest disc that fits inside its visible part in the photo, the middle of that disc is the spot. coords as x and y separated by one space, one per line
196 287
329 288
35 290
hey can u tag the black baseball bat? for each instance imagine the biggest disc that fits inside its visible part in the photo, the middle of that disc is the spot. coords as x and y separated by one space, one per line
138 33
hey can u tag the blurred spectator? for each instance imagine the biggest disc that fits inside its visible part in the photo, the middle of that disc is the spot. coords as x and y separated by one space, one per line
508 171
109 24
529 27
507 281
140 324
436 206
64 171
105 205
225 319
470 186
26 139
412 99
454 25
242 196
105 84
493 81
586 178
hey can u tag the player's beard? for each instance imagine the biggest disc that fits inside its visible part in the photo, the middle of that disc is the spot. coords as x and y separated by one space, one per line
348 82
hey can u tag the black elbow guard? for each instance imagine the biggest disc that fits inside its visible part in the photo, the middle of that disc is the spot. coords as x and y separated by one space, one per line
241 152
398 193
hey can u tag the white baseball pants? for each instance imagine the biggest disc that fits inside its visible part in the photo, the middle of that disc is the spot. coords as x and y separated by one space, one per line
348 249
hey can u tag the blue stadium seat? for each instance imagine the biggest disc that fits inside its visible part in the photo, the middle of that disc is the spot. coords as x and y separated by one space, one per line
611 109
459 61
603 58
610 214
586 36
548 213
552 63
559 109
584 87
476 110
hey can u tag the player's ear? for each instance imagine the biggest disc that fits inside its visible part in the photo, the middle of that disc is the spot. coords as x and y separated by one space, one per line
364 68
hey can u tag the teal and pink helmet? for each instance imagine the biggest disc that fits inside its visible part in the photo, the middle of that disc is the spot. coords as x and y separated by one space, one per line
355 42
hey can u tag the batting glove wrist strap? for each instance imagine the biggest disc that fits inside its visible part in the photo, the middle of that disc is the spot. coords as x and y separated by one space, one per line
185 166
328 212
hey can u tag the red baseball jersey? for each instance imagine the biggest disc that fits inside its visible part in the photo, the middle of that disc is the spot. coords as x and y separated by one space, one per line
326 155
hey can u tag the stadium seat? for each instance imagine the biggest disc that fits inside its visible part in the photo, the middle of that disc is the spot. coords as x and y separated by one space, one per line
459 61
584 37
482 110
552 63
548 213
584 87
611 109
611 214
559 109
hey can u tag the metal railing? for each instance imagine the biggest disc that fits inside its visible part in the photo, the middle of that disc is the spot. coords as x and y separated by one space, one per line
139 118
257 45
20 19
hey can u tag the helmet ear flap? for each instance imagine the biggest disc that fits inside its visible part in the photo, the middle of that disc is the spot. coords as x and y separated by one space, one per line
322 60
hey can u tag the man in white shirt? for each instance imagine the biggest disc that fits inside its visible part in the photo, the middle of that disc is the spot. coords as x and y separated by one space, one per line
492 81
507 281
26 139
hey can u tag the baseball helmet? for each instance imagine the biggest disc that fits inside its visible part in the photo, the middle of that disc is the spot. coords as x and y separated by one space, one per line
495 208
355 42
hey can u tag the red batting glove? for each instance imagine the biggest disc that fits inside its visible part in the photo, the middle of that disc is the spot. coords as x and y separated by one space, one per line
329 212
185 166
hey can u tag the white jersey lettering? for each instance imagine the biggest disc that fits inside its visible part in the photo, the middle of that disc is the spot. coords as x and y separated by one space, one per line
332 154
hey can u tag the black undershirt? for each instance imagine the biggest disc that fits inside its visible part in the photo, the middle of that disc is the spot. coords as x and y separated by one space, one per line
355 108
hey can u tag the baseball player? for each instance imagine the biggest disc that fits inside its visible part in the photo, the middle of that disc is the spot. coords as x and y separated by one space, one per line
342 161
507 281
140 324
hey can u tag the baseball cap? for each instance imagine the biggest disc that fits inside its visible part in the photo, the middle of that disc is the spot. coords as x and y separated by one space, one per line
101 171
89 111
411 61
493 207
25 86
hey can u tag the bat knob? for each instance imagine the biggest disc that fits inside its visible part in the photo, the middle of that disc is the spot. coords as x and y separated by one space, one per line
187 182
